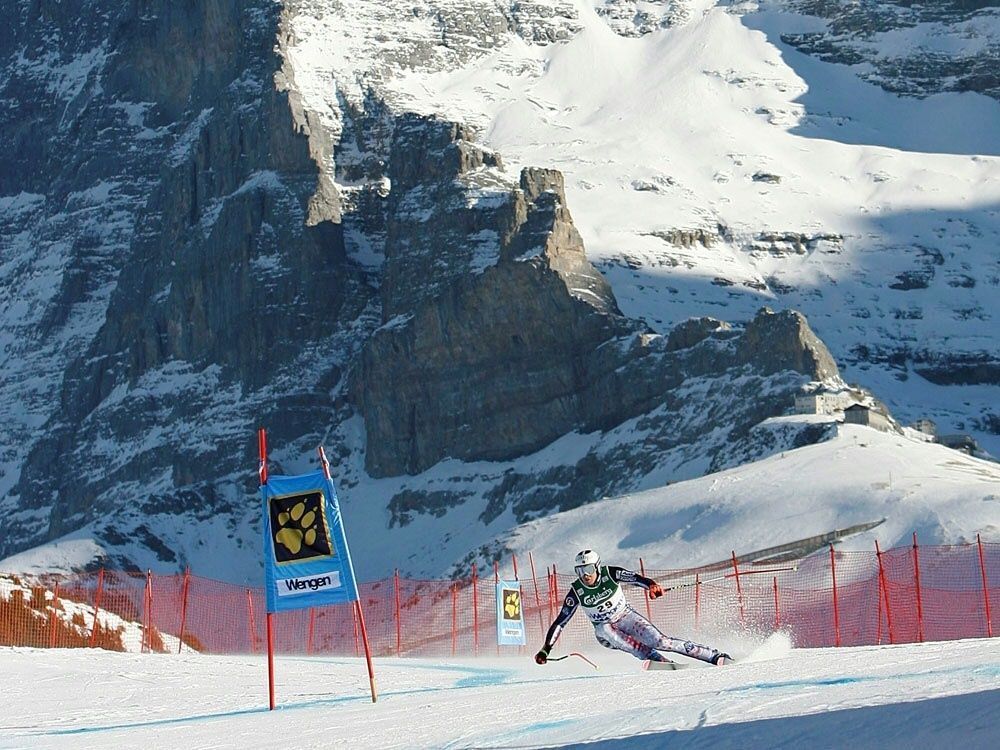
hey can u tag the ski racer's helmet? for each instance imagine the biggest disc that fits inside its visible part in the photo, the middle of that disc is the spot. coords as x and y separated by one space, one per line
587 562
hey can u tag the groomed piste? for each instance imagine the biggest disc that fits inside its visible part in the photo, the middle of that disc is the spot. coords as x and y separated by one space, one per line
927 695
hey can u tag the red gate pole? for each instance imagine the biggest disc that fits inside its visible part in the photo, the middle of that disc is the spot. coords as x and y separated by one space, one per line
777 612
836 610
357 635
97 606
399 623
642 571
475 611
916 578
538 601
368 652
739 588
312 628
269 631
986 588
697 598
184 607
262 477
454 617
885 593
555 585
357 602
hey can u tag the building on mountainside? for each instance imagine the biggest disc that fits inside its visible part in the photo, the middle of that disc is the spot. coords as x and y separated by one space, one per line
965 443
865 415
824 402
925 426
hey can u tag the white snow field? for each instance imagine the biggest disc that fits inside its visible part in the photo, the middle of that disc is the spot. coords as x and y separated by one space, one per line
927 695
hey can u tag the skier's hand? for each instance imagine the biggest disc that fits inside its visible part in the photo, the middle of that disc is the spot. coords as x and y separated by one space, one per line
542 656
655 592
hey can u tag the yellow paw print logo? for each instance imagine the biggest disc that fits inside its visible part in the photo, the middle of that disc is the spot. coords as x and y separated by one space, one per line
512 605
297 525
299 528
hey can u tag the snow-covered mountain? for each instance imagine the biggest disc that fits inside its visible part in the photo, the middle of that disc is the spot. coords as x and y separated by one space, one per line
455 243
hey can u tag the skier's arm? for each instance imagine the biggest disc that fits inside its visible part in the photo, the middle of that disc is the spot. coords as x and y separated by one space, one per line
624 575
570 603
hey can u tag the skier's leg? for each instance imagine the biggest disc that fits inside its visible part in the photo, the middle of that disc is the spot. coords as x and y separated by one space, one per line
609 636
642 630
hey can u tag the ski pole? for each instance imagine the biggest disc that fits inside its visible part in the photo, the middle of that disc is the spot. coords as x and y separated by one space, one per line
719 577
693 583
573 653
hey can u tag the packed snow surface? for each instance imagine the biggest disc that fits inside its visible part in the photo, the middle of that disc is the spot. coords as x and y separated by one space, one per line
862 475
922 695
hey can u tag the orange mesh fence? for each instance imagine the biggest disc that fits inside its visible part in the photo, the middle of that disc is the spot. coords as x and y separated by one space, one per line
901 595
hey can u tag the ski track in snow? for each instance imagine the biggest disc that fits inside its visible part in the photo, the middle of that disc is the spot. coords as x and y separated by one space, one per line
917 695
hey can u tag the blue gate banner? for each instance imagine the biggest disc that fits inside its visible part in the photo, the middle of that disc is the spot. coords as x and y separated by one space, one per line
306 559
510 616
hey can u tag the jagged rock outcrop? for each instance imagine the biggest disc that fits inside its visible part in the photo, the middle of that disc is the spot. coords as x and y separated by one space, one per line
504 362
775 342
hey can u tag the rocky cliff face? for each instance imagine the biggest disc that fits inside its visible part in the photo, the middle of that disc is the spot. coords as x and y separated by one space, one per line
857 32
209 289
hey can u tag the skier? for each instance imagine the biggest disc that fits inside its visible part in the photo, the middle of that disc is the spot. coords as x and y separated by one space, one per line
616 624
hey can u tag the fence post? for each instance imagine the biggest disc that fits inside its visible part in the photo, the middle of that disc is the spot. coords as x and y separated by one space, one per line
97 606
777 612
52 617
148 633
548 587
399 624
836 609
184 607
916 577
475 610
885 592
312 628
986 588
697 598
739 588
454 617
496 582
642 572
878 613
252 623
534 584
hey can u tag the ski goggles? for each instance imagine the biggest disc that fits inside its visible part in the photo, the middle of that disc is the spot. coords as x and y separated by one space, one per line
589 569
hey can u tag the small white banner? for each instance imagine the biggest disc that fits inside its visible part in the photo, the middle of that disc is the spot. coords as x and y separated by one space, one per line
307 584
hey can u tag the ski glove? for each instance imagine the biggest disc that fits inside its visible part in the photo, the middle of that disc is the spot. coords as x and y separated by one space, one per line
655 592
542 656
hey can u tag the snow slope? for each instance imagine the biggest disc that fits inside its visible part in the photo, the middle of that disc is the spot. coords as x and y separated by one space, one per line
898 697
859 476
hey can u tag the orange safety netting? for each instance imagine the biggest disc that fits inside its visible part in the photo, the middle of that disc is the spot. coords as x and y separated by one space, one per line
901 595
